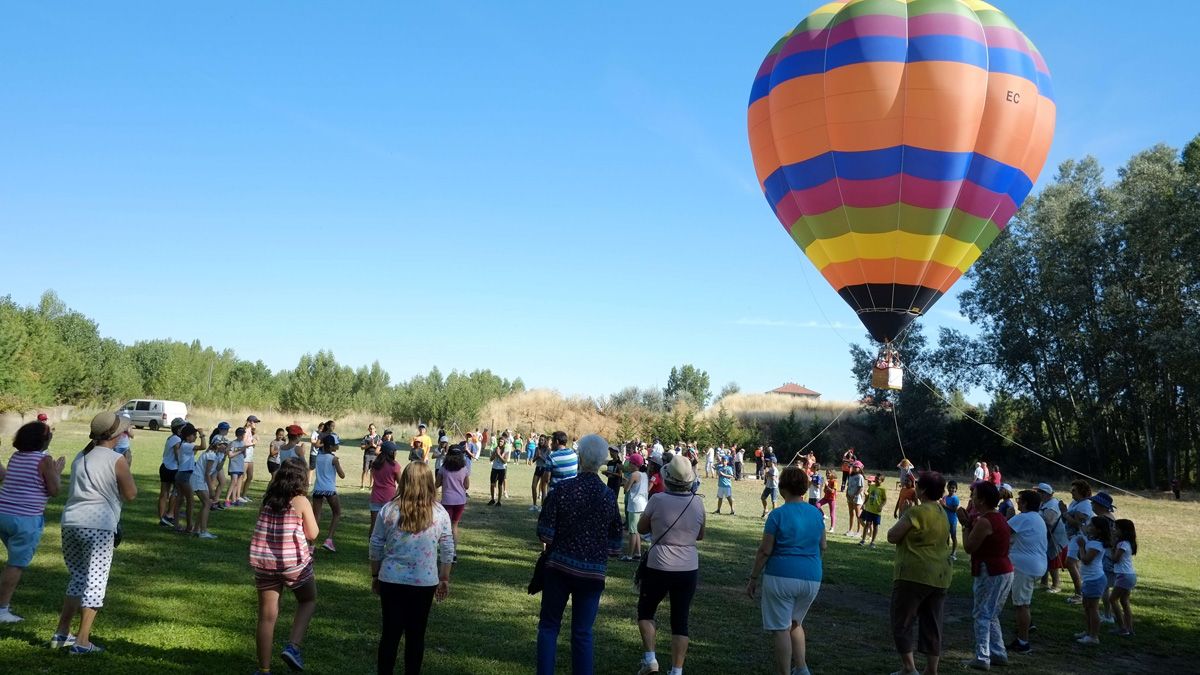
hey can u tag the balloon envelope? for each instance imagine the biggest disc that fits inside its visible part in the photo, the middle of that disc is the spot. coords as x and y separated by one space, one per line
894 140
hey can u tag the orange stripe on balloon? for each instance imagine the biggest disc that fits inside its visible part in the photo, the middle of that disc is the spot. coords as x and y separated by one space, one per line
889 271
1039 142
762 141
1012 104
943 105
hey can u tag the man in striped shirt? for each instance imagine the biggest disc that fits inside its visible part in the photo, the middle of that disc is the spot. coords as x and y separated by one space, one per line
564 463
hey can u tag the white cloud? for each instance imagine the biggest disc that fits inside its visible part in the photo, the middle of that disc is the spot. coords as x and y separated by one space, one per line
777 323
952 315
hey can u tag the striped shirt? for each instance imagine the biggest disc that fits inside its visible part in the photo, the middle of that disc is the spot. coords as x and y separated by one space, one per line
278 543
23 492
564 465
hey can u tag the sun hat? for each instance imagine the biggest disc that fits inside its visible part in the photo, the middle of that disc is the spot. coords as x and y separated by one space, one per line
1103 499
1045 488
678 473
294 430
107 425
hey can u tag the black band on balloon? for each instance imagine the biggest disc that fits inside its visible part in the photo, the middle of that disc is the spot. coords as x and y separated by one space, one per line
887 309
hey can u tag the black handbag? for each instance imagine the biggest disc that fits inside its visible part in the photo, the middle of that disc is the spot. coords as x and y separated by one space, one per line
538 582
640 572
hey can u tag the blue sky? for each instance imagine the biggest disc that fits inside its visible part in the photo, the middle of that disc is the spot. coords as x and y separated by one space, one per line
559 192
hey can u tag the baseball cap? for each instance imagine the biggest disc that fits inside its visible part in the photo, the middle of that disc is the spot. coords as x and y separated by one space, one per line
422 426
443 439
254 419
1006 486
636 459
107 425
177 423
859 465
389 447
1044 487
294 430
223 425
43 417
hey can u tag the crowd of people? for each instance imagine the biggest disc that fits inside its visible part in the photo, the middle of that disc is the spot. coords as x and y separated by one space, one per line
595 502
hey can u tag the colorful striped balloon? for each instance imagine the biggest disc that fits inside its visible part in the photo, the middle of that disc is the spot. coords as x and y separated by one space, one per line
894 140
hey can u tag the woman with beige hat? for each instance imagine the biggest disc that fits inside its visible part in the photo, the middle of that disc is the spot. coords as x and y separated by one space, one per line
675 520
100 481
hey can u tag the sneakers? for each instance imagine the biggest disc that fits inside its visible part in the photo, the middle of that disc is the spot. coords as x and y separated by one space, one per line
1088 640
166 522
292 657
242 501
862 542
206 535
533 508
1018 647
59 641
1054 589
77 650
871 545
491 502
977 664
1076 599
1107 618
953 557
648 667
328 546
6 616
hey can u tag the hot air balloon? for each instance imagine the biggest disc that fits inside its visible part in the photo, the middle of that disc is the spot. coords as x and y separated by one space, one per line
894 140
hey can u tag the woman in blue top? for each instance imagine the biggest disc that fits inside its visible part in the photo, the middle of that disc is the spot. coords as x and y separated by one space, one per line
328 470
789 561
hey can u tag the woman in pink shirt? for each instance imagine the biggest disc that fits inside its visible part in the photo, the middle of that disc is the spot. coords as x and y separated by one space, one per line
385 471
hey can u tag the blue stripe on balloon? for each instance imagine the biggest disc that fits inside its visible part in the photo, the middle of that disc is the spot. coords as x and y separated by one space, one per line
880 48
917 162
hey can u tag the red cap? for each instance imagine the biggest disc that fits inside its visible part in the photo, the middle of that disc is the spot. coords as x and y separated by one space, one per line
43 417
294 430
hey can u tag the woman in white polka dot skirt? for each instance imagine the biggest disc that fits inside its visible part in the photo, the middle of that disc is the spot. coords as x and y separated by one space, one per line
100 481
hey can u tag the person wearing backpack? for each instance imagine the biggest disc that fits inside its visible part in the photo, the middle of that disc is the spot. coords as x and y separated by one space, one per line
1052 510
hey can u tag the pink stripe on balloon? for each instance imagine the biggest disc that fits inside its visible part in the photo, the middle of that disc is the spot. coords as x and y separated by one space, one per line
767 65
919 192
876 24
1040 63
1007 38
802 42
944 24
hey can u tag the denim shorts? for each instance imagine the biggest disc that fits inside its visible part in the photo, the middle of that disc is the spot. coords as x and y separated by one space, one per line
1125 581
21 535
1094 588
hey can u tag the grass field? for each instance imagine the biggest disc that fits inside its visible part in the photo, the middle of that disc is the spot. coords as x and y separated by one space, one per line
181 605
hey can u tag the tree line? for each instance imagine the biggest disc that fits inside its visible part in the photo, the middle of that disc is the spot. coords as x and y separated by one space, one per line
1085 313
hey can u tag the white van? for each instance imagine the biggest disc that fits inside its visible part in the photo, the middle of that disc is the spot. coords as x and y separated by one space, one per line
153 413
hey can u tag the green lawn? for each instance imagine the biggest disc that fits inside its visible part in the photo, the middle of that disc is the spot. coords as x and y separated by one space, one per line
179 605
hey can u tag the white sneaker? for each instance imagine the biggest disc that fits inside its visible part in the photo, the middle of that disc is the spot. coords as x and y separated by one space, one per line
1107 618
1088 640
533 507
648 667
207 535
59 641
6 616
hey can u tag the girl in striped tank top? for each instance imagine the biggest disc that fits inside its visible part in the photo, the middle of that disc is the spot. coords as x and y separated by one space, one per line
31 479
282 557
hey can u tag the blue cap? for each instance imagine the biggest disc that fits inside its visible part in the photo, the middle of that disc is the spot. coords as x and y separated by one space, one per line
223 425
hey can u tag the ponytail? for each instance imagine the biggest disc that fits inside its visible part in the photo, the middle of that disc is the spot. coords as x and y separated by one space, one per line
88 448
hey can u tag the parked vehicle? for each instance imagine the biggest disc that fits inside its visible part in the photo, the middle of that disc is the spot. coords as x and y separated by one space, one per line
153 413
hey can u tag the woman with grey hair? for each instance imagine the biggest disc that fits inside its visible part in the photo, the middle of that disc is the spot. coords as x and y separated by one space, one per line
581 527
675 519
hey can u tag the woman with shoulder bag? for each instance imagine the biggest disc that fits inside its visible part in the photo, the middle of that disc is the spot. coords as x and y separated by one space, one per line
675 520
100 481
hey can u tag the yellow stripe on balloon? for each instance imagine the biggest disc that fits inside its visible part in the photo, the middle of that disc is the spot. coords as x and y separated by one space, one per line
939 248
